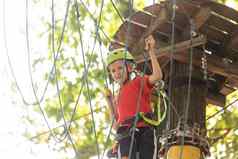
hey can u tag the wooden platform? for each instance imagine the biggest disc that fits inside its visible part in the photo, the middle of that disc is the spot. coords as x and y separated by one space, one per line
215 32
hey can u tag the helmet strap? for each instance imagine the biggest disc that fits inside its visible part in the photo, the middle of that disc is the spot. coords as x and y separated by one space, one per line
130 70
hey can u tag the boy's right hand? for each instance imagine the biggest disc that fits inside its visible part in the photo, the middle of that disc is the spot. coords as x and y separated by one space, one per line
149 43
107 92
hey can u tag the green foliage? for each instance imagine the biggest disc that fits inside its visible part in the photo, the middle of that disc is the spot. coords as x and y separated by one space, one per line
76 93
73 92
219 125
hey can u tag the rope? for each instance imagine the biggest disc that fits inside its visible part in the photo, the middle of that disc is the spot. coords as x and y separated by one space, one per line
130 6
108 137
31 79
106 86
223 109
137 117
62 125
51 69
56 79
190 72
94 19
9 60
189 88
117 11
10 64
89 96
84 74
54 69
86 80
171 67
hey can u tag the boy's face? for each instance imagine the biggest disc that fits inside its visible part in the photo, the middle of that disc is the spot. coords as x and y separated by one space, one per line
118 71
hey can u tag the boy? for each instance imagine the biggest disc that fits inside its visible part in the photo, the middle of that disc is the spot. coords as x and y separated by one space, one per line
133 96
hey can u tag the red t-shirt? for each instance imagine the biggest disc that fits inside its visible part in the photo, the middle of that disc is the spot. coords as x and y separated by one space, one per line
128 97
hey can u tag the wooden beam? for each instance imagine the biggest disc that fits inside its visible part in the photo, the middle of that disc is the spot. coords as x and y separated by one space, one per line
178 47
215 63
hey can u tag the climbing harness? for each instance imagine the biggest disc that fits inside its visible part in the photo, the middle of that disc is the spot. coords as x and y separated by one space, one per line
127 127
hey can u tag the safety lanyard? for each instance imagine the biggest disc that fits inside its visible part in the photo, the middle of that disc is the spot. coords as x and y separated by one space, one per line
160 117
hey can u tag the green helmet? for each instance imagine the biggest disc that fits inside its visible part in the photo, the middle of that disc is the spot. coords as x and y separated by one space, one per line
119 54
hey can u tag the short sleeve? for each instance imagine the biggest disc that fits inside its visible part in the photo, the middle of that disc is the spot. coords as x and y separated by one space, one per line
146 78
147 86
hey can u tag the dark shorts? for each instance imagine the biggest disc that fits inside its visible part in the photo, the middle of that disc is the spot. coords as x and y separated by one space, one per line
143 143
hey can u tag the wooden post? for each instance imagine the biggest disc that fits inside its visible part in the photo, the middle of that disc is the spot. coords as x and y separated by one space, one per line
180 92
185 134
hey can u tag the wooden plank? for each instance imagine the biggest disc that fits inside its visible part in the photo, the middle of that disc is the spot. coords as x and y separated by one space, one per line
187 8
221 23
116 44
223 10
225 90
127 34
160 20
137 24
222 19
196 2
216 37
181 20
166 29
199 19
232 82
134 22
216 7
154 9
213 33
142 18
233 42
216 99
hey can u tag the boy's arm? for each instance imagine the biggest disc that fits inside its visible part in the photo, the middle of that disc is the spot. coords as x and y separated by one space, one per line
156 70
110 102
